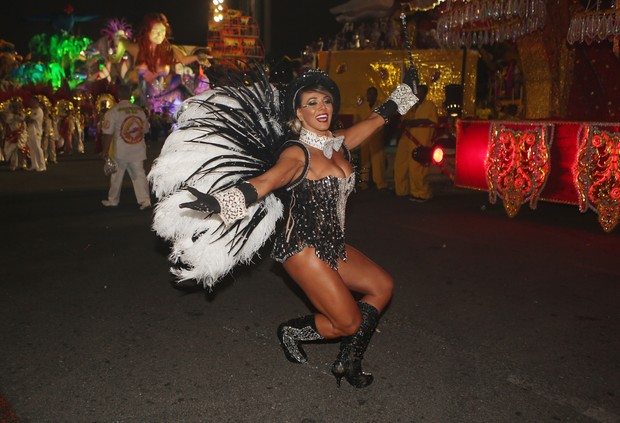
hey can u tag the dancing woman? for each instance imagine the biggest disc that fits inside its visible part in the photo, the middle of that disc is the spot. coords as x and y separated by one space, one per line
313 167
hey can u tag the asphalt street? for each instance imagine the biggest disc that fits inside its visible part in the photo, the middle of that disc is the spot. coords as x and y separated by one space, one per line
493 319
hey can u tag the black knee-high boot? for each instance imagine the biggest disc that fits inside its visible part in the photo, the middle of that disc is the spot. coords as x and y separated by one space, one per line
294 331
348 364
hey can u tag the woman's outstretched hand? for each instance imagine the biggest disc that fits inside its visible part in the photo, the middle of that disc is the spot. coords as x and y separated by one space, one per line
204 202
402 98
230 204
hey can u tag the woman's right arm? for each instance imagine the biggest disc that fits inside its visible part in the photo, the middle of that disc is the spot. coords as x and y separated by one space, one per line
231 204
289 167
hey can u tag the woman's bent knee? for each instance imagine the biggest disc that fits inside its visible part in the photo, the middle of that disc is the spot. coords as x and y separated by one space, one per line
384 286
349 327
389 286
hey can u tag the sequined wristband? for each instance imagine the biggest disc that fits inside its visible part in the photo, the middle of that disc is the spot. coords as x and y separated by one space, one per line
234 202
400 101
404 98
232 205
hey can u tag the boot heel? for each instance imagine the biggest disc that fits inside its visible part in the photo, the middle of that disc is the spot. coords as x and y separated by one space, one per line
355 376
338 379
338 372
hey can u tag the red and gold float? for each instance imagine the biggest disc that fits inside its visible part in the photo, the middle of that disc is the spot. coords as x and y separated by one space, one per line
573 163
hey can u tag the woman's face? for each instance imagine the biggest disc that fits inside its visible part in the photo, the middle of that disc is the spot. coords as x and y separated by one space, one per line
158 33
316 111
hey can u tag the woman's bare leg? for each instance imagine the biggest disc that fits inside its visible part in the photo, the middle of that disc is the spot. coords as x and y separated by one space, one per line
360 274
364 276
338 314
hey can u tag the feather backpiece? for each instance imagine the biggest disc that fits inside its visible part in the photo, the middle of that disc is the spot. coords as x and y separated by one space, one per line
221 136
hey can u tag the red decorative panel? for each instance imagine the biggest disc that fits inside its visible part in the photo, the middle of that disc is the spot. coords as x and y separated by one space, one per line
597 173
582 159
517 163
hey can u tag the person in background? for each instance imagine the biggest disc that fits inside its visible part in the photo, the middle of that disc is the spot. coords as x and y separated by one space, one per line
79 133
15 134
34 127
50 133
418 126
156 125
166 123
123 130
70 131
154 56
372 151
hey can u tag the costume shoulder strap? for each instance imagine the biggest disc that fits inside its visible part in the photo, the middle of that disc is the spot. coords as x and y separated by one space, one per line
347 152
295 143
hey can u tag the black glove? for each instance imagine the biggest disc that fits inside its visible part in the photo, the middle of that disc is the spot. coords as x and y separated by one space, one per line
412 79
204 202
231 204
387 110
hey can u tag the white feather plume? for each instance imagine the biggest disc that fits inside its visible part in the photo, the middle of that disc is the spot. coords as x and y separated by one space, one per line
222 136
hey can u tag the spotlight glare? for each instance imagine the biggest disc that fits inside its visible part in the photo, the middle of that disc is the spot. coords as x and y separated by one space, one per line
438 155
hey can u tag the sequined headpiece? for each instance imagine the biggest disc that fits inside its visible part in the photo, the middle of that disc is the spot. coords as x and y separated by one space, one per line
310 78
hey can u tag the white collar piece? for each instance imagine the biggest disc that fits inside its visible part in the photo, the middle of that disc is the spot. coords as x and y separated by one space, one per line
327 144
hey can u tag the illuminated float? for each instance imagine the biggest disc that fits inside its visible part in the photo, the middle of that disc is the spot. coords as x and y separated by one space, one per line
551 132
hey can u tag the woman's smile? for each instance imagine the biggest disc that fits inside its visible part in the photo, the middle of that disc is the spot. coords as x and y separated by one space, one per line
316 111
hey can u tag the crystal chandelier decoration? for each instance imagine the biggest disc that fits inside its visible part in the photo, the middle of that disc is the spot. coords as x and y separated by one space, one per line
596 23
474 23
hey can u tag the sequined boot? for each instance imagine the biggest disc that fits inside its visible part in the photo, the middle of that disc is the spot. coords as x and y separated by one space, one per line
348 364
294 331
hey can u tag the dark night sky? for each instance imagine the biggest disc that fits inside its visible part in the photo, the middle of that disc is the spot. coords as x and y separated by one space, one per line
294 23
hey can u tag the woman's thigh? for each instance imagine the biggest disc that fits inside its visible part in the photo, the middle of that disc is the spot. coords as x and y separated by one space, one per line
362 275
326 290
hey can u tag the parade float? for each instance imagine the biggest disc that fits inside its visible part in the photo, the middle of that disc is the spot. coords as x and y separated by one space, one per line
564 144
233 36
539 112
62 61
79 77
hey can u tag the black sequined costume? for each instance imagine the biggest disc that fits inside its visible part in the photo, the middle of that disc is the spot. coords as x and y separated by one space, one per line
315 215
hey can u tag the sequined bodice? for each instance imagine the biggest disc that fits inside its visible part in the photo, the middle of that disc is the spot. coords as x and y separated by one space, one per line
326 196
315 217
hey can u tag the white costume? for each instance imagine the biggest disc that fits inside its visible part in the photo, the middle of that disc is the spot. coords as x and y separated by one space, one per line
15 137
49 139
127 123
35 133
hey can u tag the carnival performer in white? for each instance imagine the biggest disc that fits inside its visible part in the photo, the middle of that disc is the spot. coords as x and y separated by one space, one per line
34 121
123 130
50 133
15 135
